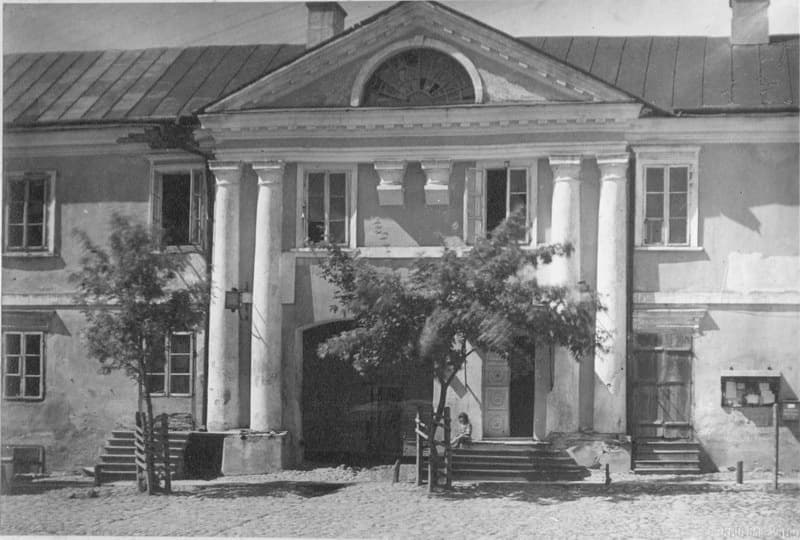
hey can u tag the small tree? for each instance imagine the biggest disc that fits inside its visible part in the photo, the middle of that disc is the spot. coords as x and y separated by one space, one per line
438 311
136 296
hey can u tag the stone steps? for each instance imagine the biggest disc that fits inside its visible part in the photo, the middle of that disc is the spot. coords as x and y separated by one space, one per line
660 456
118 460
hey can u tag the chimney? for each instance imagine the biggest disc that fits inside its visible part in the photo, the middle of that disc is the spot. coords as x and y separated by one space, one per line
325 20
749 25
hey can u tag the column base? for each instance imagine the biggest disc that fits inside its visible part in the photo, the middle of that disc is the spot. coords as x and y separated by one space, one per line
255 452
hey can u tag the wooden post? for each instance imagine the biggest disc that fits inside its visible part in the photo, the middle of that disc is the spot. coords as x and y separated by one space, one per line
417 422
608 475
98 472
739 472
776 417
396 472
140 453
447 450
165 448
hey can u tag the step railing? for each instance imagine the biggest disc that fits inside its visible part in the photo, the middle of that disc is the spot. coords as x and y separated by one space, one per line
424 439
152 452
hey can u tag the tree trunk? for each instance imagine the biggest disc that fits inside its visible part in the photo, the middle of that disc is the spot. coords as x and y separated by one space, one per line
149 441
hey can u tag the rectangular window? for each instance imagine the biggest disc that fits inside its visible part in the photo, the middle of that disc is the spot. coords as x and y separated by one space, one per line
666 212
326 207
179 206
506 193
23 365
171 372
667 197
29 212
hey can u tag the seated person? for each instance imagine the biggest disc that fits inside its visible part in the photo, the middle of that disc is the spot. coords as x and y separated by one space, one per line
464 431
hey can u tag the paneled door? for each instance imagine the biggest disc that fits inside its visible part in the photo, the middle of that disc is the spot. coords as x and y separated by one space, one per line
661 388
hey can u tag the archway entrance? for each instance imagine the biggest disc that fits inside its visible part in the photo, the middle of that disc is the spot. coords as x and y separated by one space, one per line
348 418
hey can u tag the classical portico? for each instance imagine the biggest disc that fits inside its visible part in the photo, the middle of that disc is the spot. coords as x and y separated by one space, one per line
447 154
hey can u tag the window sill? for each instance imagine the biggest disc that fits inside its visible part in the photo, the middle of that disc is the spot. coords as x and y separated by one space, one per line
669 248
187 248
28 254
170 395
24 399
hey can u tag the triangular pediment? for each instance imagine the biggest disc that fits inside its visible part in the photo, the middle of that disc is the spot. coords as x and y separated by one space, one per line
501 68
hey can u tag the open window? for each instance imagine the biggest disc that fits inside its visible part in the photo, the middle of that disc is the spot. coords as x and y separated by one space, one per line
495 192
179 201
326 197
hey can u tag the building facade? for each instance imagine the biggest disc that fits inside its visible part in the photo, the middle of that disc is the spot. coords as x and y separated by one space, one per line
670 164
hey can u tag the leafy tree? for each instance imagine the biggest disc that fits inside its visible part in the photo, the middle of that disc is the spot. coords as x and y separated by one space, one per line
136 296
436 312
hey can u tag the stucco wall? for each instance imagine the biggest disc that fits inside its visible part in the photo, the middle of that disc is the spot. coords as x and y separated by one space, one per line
745 339
81 406
748 221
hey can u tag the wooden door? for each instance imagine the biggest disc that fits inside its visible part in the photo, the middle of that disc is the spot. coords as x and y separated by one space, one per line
661 391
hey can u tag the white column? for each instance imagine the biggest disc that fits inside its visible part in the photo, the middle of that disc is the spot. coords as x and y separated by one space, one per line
566 217
266 382
609 366
223 326
563 403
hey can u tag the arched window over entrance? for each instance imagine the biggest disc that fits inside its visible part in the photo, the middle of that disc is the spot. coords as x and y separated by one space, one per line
418 77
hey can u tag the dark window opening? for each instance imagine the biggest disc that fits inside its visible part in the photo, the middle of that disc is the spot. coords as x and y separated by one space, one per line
176 208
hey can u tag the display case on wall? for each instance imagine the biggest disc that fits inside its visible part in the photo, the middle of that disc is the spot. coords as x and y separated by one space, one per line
750 388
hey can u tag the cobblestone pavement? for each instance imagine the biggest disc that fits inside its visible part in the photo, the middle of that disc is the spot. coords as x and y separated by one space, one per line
345 503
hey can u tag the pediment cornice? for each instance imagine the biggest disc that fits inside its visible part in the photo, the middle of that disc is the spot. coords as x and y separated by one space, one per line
420 21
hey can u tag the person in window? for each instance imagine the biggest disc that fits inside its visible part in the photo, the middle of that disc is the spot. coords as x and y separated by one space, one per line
464 431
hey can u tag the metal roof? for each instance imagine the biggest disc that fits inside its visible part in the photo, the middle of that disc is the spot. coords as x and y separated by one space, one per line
693 74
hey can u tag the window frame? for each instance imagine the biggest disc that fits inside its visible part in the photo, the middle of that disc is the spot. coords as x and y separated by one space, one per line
531 183
168 354
22 356
351 193
666 158
48 219
198 219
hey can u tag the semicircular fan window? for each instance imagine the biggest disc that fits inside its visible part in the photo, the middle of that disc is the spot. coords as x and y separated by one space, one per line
418 78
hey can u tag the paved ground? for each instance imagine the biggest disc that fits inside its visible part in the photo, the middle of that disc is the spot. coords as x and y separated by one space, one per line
340 502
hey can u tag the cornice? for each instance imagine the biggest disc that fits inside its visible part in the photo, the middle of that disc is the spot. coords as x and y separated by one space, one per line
423 121
365 154
72 141
782 128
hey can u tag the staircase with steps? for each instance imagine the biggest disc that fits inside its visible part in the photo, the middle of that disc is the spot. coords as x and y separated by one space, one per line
117 461
514 461
666 456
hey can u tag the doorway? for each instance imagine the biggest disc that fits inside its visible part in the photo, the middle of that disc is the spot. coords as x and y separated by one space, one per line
521 392
661 386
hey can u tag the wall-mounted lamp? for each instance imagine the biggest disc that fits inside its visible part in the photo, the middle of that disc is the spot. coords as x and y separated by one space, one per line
236 299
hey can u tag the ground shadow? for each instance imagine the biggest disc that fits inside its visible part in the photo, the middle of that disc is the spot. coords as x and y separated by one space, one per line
23 486
306 490
547 494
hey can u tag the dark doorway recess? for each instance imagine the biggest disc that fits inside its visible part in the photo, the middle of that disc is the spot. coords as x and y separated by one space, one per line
521 404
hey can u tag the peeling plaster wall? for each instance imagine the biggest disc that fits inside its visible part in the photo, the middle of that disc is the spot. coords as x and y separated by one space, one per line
743 339
81 406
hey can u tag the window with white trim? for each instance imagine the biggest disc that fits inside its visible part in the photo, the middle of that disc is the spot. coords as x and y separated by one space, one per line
171 373
29 213
179 200
325 212
667 197
23 365
492 193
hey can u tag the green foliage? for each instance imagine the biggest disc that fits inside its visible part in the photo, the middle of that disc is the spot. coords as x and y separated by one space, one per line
437 310
135 296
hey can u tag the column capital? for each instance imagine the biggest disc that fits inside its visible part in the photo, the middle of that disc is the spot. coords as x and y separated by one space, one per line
565 168
390 187
438 181
226 172
268 172
613 167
